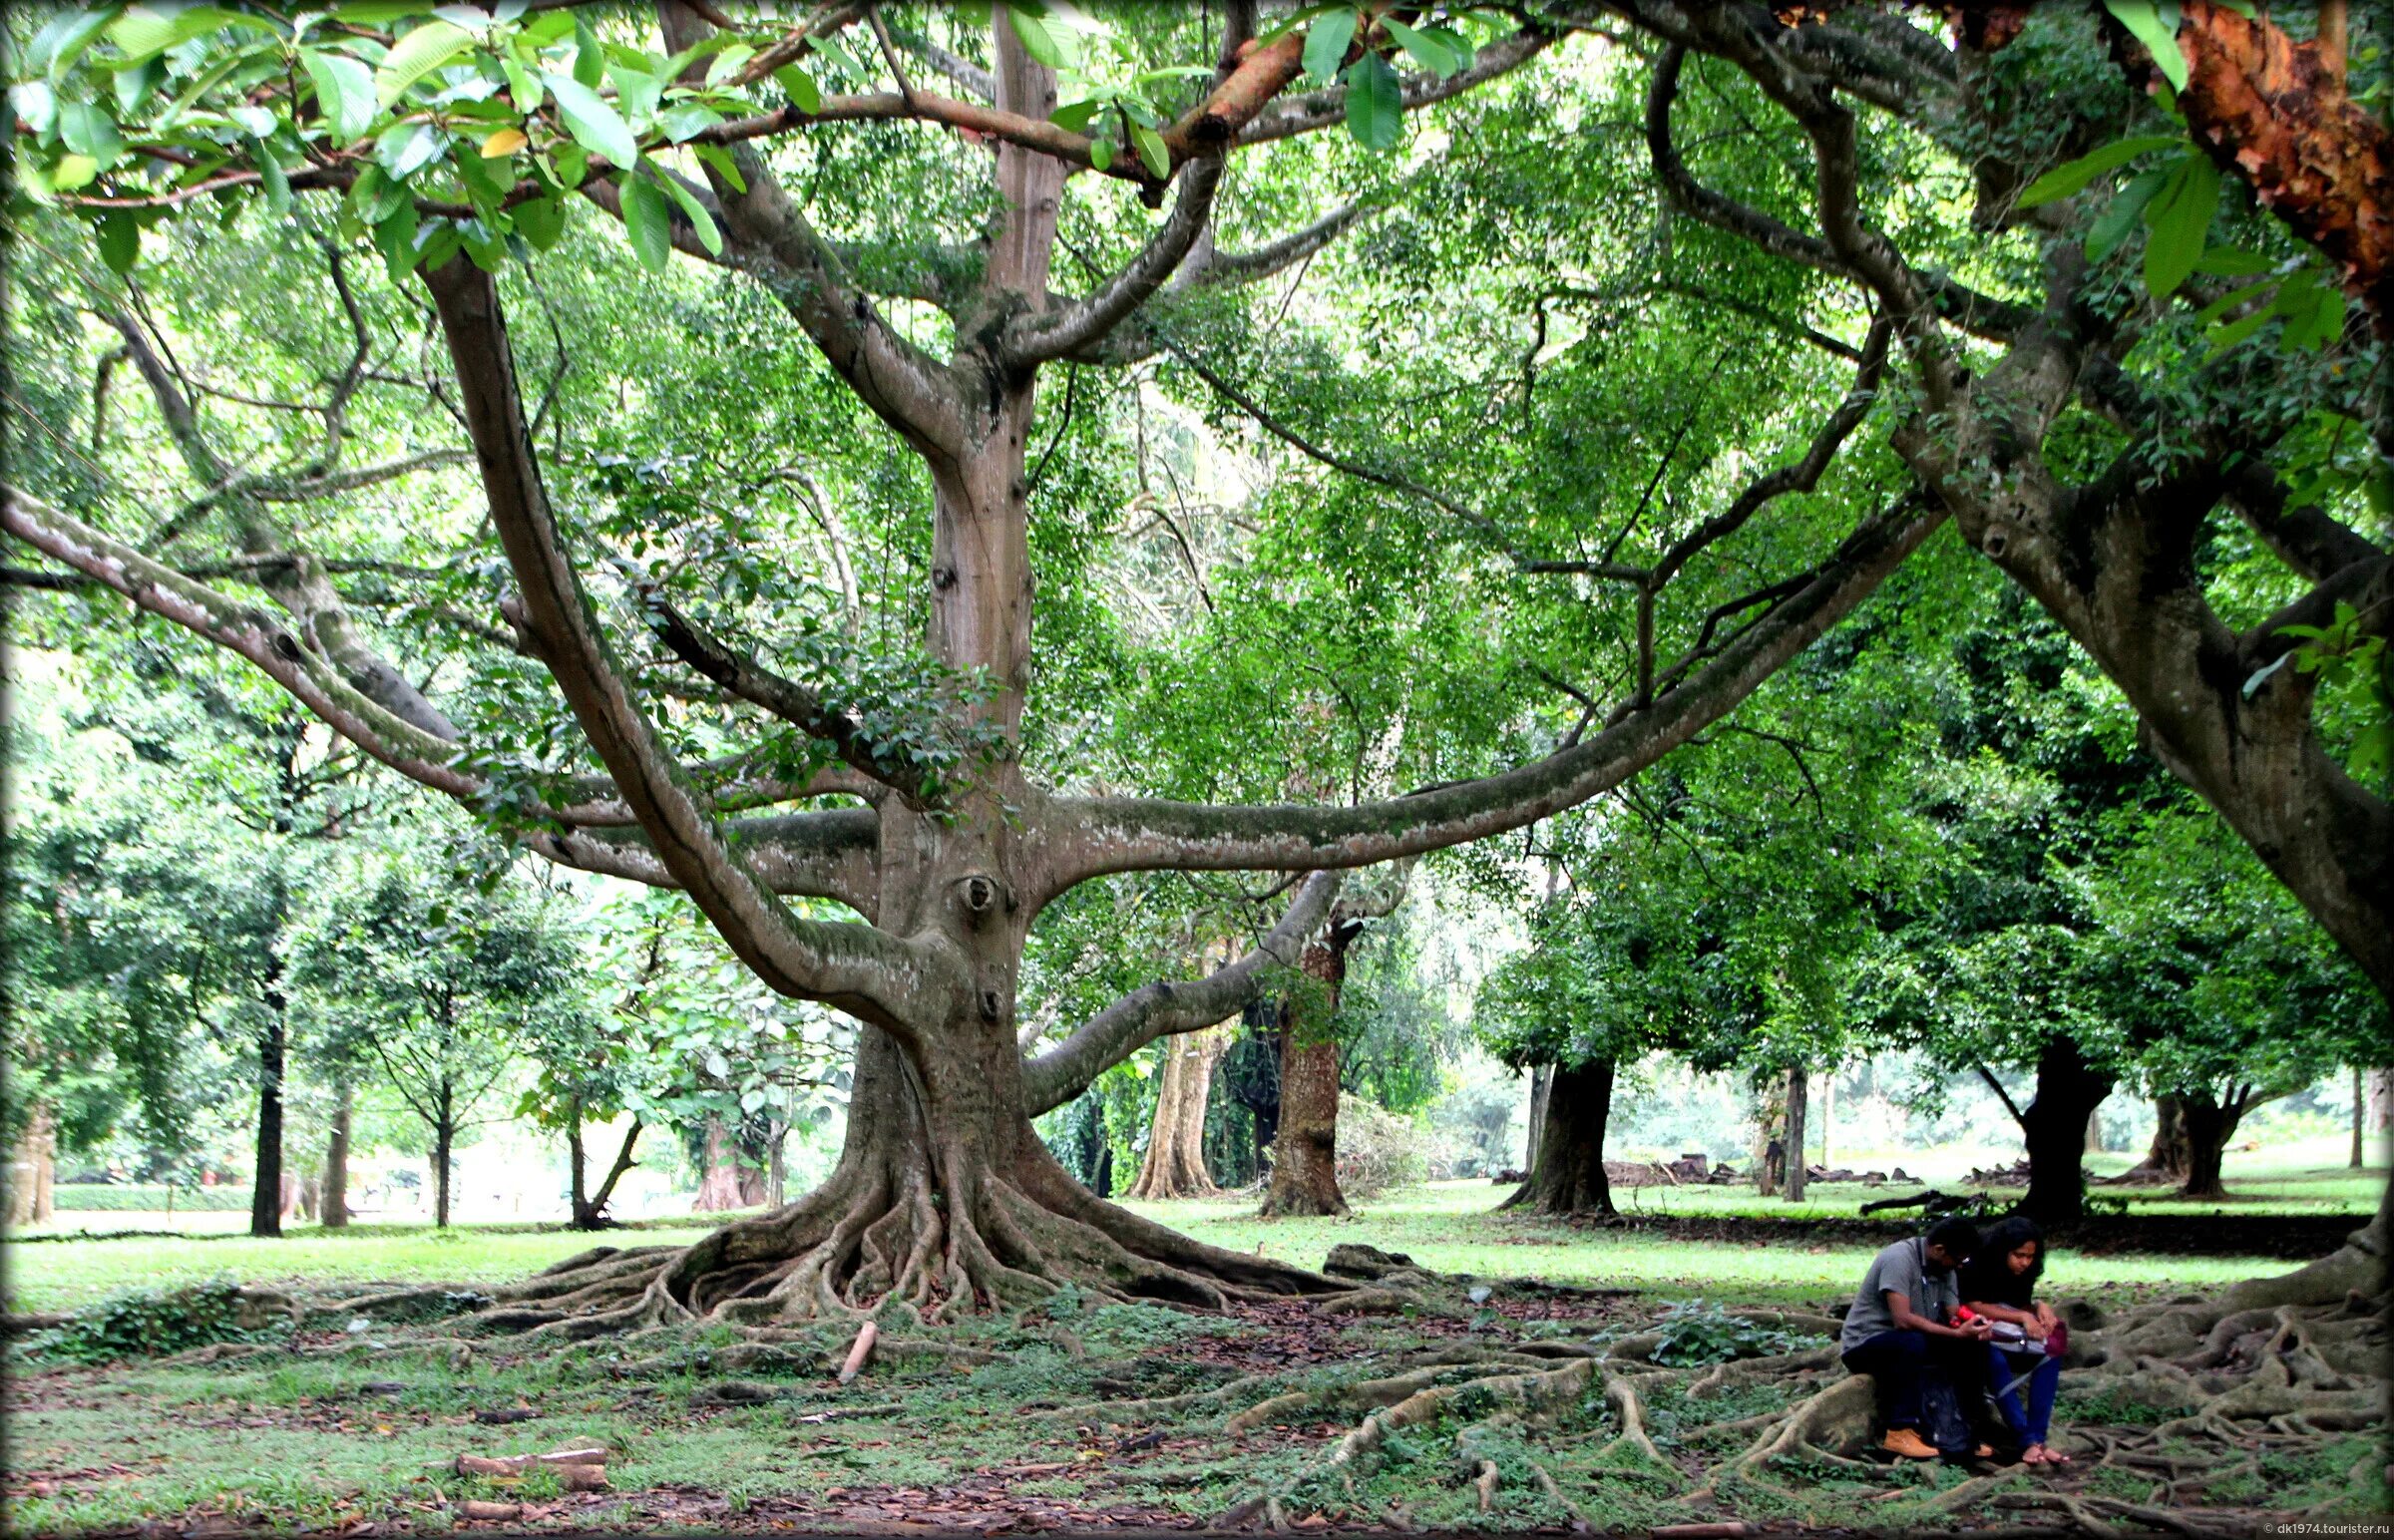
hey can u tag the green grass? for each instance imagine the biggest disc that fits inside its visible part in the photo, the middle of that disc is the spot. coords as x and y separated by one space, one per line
1446 1226
62 1274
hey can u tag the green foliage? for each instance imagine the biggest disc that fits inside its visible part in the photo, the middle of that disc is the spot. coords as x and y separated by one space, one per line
1698 1331
153 1322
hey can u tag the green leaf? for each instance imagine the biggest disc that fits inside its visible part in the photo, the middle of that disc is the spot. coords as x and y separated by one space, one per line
134 83
344 91
271 177
2179 222
804 93
1150 146
2111 225
2144 19
63 38
90 131
1326 45
523 87
2314 319
1421 48
145 31
1101 153
539 220
2229 335
1037 40
36 105
718 160
591 121
71 171
684 119
637 93
2071 176
405 148
701 220
1375 105
422 51
119 240
589 60
649 221
1076 115
2228 301
2228 262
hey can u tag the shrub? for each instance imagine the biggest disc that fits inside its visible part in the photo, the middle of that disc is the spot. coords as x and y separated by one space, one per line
1378 1151
149 1323
147 1198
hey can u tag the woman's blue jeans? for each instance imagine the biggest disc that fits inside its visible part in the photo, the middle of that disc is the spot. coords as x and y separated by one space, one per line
2031 1423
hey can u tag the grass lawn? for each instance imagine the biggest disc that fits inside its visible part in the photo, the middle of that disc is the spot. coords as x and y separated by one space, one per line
1446 1226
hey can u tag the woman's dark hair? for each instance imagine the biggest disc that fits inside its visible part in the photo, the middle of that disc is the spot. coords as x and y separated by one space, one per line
2007 1237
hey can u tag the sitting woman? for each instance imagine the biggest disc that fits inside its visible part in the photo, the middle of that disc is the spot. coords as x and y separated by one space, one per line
2000 1284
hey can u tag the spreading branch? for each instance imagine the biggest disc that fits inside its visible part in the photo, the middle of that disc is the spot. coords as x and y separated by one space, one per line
853 968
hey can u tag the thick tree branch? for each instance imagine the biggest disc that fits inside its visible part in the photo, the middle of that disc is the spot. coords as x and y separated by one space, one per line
1165 1007
1320 109
854 968
1036 339
1103 835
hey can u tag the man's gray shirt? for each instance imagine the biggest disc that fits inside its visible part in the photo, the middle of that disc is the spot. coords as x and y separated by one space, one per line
1903 1267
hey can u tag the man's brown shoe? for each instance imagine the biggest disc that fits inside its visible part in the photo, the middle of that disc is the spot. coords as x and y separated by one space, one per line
1906 1444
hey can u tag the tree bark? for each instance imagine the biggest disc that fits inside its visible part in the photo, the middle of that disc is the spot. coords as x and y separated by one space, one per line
444 1151
577 1176
2360 1117
719 1184
2210 1123
1829 1097
32 1169
334 1202
1175 1163
1569 1176
1767 1167
588 1208
777 1164
1798 1098
2055 1127
2095 1131
2166 1157
1304 1158
265 1192
1541 1091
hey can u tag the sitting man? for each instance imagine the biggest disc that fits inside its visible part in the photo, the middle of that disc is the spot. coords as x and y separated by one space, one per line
1902 1332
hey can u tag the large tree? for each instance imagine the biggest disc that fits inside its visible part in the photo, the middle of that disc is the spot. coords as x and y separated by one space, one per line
947 843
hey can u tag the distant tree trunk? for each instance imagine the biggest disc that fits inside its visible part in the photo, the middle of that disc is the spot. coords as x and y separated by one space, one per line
577 1174
2055 1127
33 1171
1569 1175
1175 1163
719 1186
777 1163
444 1150
1105 1184
588 1208
1305 1161
1541 1087
2167 1158
333 1204
2095 1131
2359 1116
265 1192
1799 1096
1829 1097
1767 1166
2210 1123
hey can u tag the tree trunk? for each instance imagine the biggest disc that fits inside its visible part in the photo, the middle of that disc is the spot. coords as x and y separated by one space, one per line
2055 1127
1569 1176
578 1175
1799 1096
1542 1089
2167 1158
2360 1117
2210 1124
33 1170
590 1209
1175 1163
265 1192
719 1184
1829 1098
777 1163
1769 1153
2095 1131
1305 1161
334 1202
444 1147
